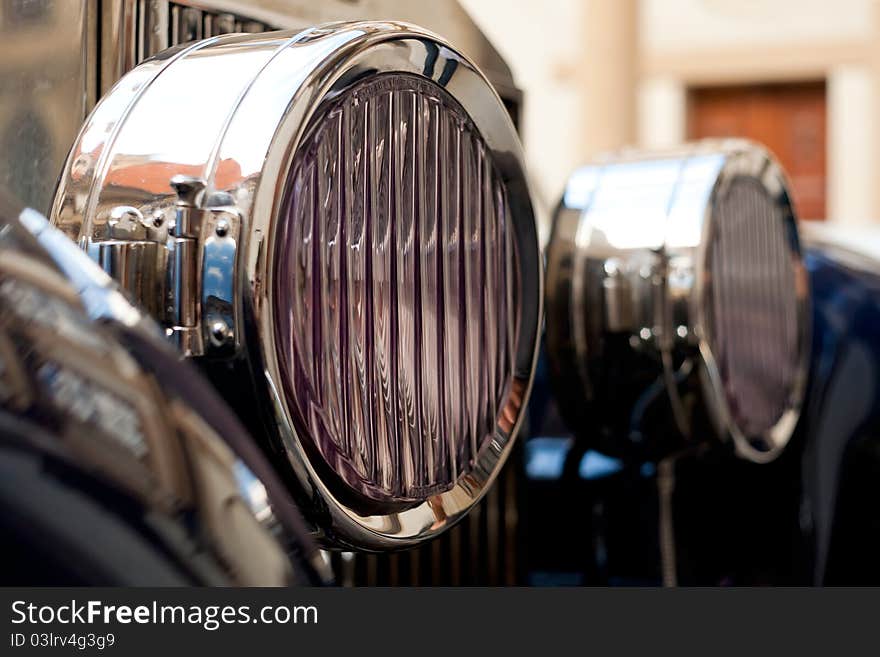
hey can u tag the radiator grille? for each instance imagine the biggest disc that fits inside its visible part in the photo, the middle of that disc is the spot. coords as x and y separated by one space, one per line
161 24
484 549
753 307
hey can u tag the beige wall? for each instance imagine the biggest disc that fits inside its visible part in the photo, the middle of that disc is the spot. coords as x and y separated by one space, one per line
687 25
741 41
567 57
540 41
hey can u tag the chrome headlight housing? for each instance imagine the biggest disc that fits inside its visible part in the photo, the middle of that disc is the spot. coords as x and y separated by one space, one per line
676 290
345 211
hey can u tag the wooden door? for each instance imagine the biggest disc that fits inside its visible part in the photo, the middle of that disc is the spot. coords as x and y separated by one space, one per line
789 119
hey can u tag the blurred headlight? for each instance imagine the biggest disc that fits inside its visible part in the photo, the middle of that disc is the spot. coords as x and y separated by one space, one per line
676 288
351 221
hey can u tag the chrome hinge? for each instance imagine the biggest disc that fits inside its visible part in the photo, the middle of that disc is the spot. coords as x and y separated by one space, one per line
182 270
182 273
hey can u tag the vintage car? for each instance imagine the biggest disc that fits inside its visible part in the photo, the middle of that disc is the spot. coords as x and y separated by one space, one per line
275 310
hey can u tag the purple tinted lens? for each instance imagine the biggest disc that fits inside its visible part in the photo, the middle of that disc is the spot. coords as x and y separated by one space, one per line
753 317
397 289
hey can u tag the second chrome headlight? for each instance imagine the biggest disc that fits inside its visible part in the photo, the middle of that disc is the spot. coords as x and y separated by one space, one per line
350 219
676 292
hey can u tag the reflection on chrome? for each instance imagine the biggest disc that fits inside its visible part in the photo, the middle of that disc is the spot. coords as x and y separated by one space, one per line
86 376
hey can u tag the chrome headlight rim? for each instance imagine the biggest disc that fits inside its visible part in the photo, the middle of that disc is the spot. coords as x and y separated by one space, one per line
388 49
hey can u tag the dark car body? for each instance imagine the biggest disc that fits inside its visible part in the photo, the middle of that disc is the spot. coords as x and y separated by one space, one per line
704 516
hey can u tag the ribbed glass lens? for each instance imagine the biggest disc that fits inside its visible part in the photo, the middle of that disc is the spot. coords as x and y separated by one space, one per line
397 289
753 311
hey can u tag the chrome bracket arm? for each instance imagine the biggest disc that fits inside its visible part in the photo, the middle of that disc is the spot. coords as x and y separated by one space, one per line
180 271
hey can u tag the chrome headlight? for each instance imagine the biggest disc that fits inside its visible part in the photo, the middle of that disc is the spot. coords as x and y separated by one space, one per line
351 218
676 286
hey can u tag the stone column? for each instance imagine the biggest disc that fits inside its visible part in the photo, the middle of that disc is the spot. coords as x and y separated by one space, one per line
608 74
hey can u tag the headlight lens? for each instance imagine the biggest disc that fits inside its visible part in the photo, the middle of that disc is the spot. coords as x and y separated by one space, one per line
352 250
398 278
752 323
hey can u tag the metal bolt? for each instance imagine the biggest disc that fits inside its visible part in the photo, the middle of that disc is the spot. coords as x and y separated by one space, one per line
125 214
158 219
189 189
613 267
222 228
219 332
125 222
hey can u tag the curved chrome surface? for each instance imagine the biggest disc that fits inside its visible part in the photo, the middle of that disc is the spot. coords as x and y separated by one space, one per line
231 111
76 362
632 330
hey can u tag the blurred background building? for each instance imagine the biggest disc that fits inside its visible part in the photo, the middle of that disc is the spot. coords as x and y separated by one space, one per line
796 75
